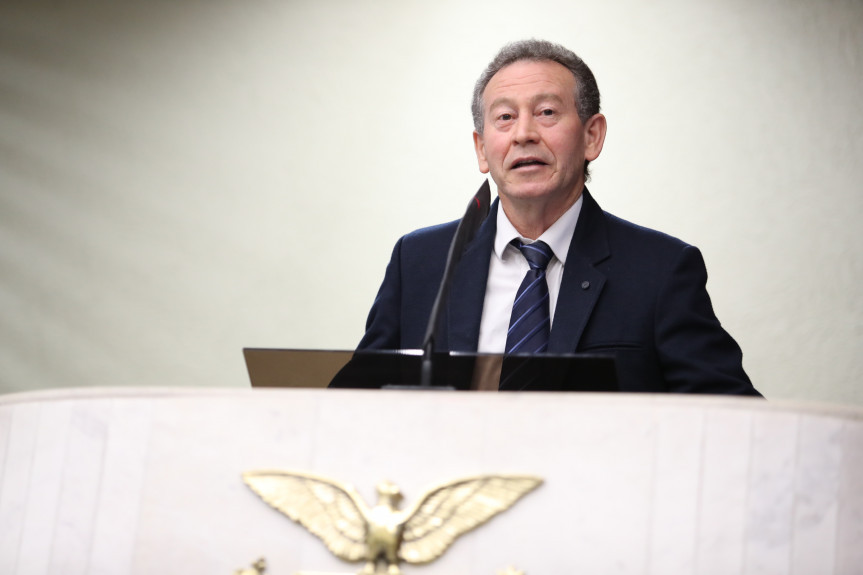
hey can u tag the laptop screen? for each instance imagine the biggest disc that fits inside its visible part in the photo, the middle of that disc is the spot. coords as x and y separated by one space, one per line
374 369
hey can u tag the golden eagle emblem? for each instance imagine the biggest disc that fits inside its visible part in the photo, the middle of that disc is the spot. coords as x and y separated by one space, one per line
383 536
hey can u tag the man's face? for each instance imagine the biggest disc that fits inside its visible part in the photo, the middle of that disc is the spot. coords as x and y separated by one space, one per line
533 142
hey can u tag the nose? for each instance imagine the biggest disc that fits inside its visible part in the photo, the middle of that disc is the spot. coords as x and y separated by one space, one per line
525 130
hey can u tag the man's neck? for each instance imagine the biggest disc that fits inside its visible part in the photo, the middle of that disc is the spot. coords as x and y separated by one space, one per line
532 217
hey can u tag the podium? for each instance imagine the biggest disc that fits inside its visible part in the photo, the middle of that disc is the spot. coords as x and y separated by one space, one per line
146 481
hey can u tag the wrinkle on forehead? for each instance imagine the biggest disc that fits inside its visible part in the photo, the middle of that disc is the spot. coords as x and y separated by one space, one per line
533 100
551 79
540 79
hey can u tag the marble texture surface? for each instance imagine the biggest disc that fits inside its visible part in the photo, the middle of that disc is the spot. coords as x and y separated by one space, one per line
148 481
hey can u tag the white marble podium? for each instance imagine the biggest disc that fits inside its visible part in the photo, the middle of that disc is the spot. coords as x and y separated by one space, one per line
147 481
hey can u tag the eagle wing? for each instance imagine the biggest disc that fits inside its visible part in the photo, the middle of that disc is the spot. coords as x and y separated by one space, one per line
331 510
447 511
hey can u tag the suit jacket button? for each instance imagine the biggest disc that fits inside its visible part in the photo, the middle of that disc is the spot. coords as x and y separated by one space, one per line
585 284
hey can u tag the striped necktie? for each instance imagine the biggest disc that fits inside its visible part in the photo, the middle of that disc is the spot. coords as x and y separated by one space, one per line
530 322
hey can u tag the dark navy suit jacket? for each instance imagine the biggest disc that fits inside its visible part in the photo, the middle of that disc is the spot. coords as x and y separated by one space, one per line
626 290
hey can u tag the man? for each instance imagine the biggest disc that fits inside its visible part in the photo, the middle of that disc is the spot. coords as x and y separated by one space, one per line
595 283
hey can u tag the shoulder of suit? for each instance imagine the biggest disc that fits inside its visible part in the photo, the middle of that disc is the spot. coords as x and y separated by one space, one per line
434 234
626 230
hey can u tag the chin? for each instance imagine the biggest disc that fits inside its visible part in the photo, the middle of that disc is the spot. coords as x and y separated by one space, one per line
528 193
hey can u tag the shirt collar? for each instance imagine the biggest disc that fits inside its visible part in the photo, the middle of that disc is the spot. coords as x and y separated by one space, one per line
558 236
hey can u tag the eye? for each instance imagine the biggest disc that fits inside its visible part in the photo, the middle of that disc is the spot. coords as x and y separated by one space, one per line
547 112
505 117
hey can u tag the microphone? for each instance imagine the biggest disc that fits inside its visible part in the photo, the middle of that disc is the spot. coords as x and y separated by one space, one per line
474 216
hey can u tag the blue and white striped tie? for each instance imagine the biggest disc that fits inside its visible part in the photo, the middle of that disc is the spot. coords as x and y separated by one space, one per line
530 322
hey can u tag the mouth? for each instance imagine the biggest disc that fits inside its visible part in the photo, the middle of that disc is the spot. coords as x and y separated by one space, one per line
527 162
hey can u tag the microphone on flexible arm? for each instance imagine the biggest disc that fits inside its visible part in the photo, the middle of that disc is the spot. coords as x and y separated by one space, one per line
474 216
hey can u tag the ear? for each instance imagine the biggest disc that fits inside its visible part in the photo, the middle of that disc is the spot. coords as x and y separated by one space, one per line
479 145
594 136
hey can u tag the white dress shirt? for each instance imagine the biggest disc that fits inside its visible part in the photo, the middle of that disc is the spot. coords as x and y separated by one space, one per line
508 268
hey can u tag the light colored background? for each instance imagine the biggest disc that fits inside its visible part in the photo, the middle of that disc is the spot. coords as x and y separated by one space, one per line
170 170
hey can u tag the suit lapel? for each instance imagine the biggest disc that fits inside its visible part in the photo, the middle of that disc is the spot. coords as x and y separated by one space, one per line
582 283
468 288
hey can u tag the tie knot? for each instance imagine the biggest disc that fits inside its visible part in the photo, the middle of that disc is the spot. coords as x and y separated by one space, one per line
537 254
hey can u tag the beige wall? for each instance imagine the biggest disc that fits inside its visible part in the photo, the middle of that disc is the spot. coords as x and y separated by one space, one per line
168 170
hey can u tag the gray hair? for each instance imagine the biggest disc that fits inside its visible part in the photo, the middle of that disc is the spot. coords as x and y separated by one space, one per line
586 90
